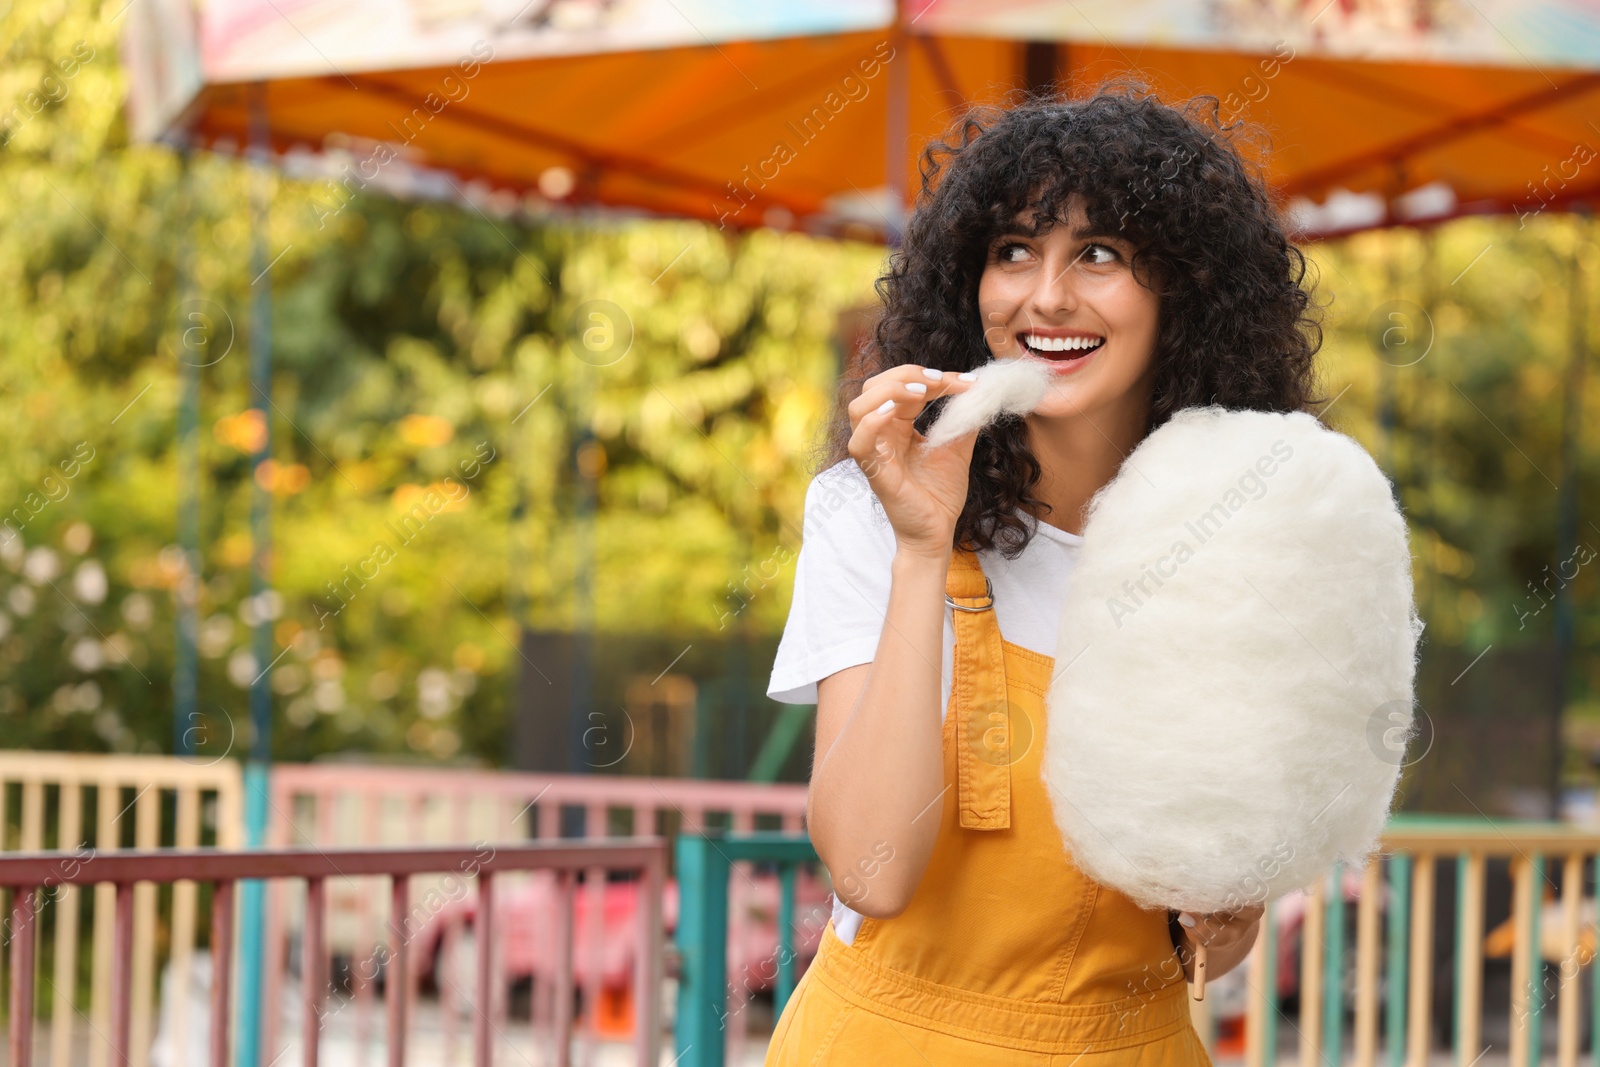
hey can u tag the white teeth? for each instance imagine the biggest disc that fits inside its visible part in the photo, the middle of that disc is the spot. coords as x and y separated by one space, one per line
1061 344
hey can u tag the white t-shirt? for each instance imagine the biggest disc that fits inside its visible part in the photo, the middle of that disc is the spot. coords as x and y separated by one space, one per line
841 592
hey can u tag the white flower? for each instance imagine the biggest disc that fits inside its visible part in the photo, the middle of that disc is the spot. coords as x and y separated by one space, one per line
434 698
289 678
138 611
21 599
11 547
301 712
87 655
41 565
328 667
328 696
89 582
215 635
242 669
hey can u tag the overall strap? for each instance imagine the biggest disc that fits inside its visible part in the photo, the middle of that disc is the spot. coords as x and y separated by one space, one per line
979 715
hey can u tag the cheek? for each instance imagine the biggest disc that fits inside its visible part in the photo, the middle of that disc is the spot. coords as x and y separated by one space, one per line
1131 310
998 301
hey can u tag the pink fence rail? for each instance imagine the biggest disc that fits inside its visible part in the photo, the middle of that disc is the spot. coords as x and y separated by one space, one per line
32 875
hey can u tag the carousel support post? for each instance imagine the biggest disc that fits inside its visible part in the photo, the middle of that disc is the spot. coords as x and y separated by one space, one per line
588 461
251 956
898 127
1567 510
190 348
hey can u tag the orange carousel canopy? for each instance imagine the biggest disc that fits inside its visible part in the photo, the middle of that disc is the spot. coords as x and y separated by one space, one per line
811 116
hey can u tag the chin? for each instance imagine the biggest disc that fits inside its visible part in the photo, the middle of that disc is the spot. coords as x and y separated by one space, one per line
1062 404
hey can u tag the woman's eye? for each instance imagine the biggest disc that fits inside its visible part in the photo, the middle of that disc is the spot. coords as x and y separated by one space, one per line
1099 254
1010 253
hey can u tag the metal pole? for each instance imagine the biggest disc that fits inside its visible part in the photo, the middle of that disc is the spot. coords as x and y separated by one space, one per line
586 461
897 125
186 663
256 785
261 403
1567 515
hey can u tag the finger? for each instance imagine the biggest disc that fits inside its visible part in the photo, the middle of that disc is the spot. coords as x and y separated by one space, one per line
1202 929
911 390
904 372
873 442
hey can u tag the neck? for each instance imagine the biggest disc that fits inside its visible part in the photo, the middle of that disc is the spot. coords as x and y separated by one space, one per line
1079 454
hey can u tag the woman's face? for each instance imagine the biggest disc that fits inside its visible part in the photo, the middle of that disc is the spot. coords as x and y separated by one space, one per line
1069 298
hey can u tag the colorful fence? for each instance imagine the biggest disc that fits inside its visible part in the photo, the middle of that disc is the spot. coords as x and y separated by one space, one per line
90 804
61 801
336 805
32 875
1394 967
1390 977
1492 924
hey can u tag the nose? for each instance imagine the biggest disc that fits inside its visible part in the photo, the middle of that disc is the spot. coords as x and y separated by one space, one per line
1055 289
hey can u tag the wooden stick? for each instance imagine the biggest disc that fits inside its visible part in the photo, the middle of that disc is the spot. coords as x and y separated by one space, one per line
1200 972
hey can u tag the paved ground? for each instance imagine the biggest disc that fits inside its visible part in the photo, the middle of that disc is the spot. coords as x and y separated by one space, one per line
346 1040
517 1046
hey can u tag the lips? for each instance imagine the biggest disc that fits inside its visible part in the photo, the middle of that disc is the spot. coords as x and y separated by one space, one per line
1059 345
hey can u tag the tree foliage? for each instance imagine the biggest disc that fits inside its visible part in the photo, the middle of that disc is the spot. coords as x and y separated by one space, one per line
687 371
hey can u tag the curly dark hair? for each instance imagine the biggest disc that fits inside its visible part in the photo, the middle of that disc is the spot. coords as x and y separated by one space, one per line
1236 327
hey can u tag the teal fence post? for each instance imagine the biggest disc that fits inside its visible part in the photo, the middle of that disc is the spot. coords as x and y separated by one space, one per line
1269 984
702 949
247 1045
1399 942
1462 933
1333 970
785 986
704 863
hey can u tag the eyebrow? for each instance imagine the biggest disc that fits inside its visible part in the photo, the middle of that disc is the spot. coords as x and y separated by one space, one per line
1081 233
1085 233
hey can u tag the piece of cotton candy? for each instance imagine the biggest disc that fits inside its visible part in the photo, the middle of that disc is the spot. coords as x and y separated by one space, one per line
1235 664
1002 386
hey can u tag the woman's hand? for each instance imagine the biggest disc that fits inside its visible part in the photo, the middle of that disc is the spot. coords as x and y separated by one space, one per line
1227 935
922 489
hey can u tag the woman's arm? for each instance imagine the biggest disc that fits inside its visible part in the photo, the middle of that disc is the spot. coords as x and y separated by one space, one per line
879 771
877 779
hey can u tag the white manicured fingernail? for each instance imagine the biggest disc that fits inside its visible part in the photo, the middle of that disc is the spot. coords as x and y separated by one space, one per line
916 387
887 405
1186 919
931 374
967 376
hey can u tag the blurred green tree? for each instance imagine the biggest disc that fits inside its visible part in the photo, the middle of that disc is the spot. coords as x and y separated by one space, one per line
418 340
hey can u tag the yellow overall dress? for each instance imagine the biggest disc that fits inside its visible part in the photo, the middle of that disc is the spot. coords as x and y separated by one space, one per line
1007 954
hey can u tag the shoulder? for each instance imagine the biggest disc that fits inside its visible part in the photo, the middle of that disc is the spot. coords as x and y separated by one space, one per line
841 499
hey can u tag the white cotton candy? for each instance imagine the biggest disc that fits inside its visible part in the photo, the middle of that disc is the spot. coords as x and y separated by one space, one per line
1234 671
1002 386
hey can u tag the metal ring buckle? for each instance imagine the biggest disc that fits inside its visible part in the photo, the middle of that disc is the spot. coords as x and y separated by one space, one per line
988 597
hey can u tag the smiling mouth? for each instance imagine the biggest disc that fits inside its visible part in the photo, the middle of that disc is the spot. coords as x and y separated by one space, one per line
1059 349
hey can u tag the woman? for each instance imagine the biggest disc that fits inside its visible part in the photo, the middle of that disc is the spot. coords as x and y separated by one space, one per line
1127 244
